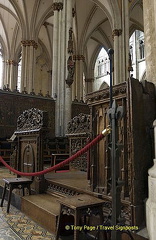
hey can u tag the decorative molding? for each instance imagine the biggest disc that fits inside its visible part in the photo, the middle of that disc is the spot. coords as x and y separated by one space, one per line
11 62
28 43
57 6
104 93
54 188
78 58
46 24
116 32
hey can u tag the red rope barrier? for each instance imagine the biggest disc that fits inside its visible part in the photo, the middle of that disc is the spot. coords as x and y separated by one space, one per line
59 165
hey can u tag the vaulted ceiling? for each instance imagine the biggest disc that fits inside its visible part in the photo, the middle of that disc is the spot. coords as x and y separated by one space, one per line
33 20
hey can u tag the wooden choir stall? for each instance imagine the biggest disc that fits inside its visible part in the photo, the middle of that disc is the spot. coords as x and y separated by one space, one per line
31 132
135 143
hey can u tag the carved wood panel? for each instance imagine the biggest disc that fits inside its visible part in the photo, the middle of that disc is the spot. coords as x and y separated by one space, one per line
78 131
13 104
135 137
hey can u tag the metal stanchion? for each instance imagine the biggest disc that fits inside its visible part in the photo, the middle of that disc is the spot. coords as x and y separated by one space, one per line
114 113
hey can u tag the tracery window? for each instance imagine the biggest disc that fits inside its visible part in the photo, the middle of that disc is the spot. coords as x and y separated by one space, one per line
1 66
102 64
141 48
19 73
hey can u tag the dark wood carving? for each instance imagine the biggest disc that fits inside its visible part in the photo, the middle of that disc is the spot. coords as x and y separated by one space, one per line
32 119
79 124
31 132
78 131
135 137
14 104
79 107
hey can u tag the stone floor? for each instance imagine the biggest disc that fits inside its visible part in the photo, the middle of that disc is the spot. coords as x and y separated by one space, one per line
16 225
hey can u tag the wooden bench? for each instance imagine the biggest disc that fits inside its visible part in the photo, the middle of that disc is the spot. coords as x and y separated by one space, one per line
14 183
79 206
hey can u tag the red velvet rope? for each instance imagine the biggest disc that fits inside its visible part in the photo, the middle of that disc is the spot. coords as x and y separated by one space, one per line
59 165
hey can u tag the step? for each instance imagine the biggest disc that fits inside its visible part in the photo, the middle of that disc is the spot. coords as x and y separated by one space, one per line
43 209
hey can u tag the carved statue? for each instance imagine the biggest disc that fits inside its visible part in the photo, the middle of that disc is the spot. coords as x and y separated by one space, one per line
71 70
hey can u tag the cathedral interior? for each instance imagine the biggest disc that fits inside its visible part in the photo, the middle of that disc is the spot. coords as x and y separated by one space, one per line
77 119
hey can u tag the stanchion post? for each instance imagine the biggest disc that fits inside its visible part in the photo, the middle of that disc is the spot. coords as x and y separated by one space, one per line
114 113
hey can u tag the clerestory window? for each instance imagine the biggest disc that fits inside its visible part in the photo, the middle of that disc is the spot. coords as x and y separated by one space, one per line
1 66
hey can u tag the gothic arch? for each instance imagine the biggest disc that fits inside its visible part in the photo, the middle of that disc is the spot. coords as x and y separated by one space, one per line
83 40
104 85
20 18
49 12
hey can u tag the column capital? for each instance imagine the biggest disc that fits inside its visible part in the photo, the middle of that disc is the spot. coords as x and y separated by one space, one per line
78 58
116 32
11 62
57 6
28 43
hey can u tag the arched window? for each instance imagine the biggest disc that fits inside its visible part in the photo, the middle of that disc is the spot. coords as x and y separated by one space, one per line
137 54
1 66
19 73
101 70
102 64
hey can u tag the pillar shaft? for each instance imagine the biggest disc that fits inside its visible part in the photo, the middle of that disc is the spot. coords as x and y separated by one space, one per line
28 64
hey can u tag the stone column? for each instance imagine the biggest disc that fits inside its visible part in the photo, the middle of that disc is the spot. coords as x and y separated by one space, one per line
13 76
58 68
7 82
61 91
151 202
69 53
149 7
117 57
79 61
89 84
28 65
56 10
124 48
4 76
